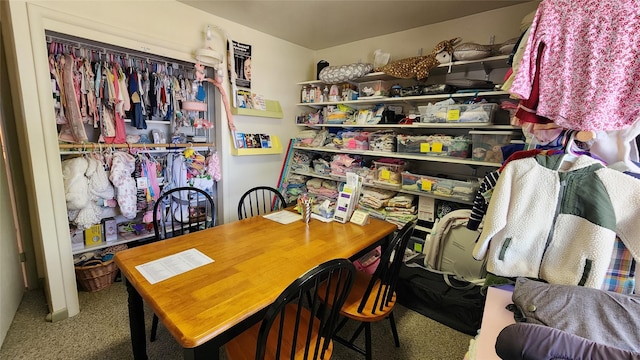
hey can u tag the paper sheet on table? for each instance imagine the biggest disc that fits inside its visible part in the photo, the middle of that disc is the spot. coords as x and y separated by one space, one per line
287 217
172 265
283 216
323 219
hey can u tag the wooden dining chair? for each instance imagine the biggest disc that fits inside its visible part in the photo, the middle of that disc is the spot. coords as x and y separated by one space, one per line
260 200
373 297
293 328
180 211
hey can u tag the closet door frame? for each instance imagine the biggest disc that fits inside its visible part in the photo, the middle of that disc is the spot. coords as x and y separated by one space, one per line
39 137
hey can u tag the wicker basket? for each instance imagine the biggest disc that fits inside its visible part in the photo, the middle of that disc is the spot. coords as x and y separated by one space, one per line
96 275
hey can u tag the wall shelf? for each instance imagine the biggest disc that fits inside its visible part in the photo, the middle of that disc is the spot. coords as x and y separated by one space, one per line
486 64
399 155
273 110
276 148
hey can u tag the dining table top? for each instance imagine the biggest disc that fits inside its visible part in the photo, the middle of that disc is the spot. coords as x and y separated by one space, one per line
254 260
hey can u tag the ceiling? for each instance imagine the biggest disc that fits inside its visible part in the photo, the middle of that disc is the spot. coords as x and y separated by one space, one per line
320 24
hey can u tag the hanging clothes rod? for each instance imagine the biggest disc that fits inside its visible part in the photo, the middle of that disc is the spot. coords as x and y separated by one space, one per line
106 49
97 146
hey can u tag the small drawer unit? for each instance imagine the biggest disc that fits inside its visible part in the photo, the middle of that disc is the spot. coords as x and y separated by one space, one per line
435 145
487 145
462 190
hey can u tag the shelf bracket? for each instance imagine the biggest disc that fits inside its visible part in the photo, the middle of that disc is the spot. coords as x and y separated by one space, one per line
487 70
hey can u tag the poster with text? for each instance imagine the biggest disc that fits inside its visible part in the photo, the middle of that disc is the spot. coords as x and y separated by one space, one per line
242 55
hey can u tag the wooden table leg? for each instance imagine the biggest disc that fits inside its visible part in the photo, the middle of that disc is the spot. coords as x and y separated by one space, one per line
136 323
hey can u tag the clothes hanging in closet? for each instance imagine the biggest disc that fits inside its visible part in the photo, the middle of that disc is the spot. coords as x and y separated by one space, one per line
103 92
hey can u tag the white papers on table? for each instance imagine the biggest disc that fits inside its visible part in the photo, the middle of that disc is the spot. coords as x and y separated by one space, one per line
283 216
287 217
172 265
318 217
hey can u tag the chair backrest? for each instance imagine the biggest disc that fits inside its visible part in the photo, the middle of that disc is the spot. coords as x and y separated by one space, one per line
181 211
383 281
260 200
295 330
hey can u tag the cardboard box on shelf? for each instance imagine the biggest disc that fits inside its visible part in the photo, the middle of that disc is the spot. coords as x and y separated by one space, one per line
93 235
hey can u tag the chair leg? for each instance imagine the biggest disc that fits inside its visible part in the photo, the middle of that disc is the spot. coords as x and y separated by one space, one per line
394 330
367 341
340 325
357 332
154 328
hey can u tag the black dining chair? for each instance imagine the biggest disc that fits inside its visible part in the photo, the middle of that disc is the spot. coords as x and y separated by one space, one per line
293 328
373 297
260 200
181 211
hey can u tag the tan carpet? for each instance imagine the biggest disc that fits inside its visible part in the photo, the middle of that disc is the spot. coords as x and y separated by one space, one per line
101 331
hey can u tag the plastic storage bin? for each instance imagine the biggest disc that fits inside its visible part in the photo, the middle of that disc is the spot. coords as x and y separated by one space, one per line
382 141
487 145
389 174
433 113
435 145
355 140
373 88
463 190
467 113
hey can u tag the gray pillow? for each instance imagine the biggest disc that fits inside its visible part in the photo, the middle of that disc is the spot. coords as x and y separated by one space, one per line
343 73
471 51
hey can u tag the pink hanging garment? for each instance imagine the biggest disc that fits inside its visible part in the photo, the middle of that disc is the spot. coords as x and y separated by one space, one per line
213 167
121 135
74 118
590 66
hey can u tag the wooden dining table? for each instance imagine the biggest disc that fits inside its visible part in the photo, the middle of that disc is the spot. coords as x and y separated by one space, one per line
254 260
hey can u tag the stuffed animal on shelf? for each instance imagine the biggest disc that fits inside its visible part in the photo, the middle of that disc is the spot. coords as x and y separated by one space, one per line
420 66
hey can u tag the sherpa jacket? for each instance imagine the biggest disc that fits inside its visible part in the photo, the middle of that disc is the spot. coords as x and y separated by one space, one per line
559 225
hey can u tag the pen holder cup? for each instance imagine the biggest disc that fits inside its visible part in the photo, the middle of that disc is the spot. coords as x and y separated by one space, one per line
306 212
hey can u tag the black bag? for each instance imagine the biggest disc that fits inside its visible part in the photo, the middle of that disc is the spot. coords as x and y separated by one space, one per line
427 293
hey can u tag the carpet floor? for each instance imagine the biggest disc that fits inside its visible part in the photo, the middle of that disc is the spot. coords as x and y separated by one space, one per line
101 331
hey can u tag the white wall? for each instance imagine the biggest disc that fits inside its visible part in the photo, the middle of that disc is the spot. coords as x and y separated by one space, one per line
503 23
